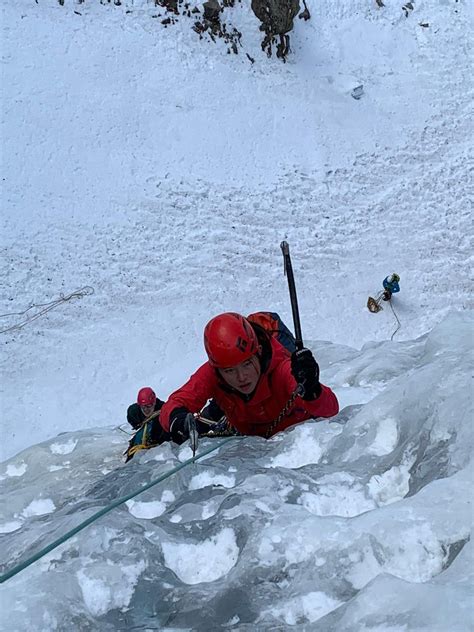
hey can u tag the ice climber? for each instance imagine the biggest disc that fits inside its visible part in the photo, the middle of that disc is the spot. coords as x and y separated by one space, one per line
144 417
251 377
146 407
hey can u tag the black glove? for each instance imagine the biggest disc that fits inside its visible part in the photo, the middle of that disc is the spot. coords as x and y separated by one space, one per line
305 370
179 430
157 433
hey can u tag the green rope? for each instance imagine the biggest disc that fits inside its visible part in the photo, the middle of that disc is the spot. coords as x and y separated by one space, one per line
47 549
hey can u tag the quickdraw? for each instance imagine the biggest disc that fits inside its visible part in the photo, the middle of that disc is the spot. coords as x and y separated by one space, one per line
221 428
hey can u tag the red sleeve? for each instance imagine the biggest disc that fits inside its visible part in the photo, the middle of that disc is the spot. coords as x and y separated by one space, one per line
326 405
192 395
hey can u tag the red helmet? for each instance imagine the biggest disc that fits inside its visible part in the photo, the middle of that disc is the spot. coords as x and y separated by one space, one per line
229 339
146 397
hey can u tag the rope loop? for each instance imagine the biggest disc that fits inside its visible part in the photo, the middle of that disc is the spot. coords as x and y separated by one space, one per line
299 390
87 290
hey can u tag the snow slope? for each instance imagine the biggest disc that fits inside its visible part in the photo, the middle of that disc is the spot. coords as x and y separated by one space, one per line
164 173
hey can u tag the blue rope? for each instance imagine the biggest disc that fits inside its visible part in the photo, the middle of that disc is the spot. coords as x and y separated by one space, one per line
47 549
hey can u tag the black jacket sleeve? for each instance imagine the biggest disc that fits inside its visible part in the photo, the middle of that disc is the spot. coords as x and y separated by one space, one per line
135 416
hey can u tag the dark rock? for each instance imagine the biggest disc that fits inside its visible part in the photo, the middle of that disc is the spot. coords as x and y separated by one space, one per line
277 18
212 10
169 5
276 15
306 15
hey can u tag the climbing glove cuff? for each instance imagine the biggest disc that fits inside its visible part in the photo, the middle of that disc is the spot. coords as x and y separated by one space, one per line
305 370
178 426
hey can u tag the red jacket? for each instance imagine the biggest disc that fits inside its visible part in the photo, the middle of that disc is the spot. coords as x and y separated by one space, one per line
252 417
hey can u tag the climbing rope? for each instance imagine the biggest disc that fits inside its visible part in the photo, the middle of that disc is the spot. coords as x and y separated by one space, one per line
45 308
396 318
47 549
299 390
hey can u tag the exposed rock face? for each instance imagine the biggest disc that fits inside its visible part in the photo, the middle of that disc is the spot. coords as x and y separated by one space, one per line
212 25
169 5
277 15
277 18
212 9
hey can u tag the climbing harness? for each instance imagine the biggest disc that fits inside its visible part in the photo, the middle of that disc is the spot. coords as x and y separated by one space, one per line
141 439
390 286
45 307
120 501
221 428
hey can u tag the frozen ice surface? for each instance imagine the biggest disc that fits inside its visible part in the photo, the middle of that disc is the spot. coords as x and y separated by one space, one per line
371 533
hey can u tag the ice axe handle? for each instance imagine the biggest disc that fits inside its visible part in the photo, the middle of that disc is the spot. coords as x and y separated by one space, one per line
192 432
285 248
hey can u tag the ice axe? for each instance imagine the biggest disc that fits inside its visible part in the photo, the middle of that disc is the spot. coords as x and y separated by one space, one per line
190 425
288 269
